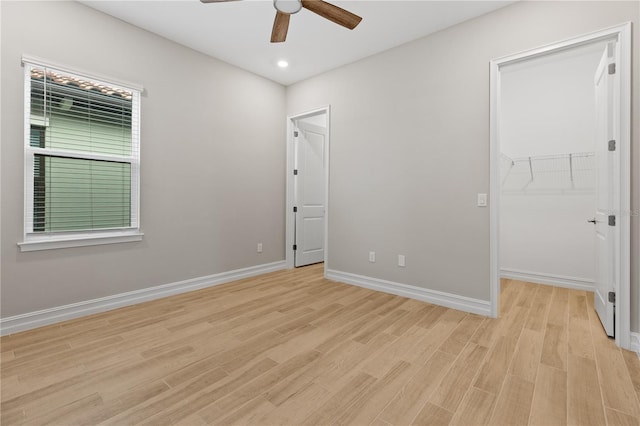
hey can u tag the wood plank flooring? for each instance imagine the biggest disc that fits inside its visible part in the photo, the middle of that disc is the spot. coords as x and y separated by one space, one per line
293 348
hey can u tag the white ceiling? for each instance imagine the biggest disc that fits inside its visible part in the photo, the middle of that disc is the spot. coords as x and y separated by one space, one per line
239 32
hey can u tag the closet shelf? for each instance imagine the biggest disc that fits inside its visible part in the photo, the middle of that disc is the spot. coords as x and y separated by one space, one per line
548 173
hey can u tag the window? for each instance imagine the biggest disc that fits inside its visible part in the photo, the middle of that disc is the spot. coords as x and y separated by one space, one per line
81 159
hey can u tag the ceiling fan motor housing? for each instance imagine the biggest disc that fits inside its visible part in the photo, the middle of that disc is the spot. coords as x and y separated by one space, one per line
288 6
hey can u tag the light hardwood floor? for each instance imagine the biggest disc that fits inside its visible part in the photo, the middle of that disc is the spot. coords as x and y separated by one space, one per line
293 348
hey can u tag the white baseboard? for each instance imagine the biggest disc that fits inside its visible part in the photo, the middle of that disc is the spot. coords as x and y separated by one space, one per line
44 317
547 279
467 304
635 343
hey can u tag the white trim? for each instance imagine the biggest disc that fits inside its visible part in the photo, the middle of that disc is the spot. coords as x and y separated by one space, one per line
81 240
575 283
327 154
289 217
34 60
44 317
27 202
635 343
623 35
570 43
494 191
33 241
623 296
462 303
290 190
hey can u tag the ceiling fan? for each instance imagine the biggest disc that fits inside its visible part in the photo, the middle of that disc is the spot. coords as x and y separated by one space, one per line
286 8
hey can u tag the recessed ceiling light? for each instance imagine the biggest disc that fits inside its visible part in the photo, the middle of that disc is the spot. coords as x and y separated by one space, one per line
283 63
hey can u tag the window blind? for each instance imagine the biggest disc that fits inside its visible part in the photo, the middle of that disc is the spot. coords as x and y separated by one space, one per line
84 153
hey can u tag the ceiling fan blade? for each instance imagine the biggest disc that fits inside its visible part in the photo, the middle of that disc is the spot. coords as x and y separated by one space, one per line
280 27
333 13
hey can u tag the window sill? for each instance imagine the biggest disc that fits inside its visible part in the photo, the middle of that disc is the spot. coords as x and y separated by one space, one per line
59 242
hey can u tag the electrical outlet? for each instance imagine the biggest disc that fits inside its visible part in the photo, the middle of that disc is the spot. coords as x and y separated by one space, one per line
259 247
372 256
401 262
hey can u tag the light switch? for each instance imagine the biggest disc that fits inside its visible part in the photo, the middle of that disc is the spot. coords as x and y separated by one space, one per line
482 200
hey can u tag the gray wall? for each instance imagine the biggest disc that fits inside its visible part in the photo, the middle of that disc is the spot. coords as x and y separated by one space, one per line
212 160
410 145
410 150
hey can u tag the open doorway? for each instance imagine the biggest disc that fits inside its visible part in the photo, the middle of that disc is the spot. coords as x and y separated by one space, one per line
560 186
548 179
307 187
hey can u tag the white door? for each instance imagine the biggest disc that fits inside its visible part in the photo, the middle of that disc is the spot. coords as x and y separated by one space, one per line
607 166
309 184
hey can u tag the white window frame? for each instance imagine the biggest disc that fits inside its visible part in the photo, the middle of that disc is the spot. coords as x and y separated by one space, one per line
54 240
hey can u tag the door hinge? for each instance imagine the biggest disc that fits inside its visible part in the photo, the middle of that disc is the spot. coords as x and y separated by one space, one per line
295 210
295 134
612 220
295 247
612 296
612 68
295 171
612 145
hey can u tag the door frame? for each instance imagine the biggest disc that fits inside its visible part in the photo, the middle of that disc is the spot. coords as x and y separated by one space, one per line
290 196
622 33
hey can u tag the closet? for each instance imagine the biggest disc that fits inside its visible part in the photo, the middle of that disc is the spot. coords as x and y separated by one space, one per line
547 164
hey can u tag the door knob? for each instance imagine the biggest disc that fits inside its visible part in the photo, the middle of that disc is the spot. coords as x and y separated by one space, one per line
592 221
